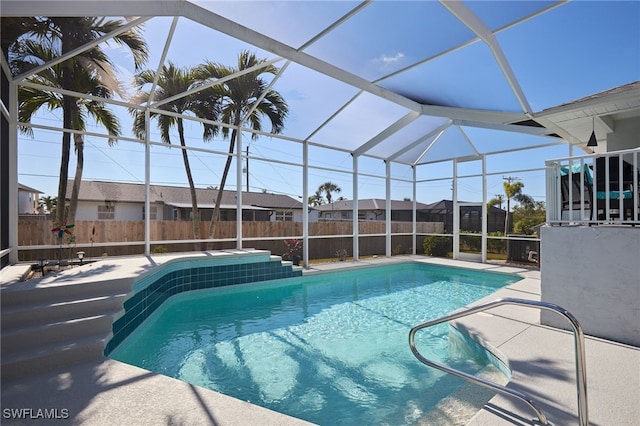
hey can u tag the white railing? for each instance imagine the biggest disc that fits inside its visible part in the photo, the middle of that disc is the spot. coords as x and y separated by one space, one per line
594 189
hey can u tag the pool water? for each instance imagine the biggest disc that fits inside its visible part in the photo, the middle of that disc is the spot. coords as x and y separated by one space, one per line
330 348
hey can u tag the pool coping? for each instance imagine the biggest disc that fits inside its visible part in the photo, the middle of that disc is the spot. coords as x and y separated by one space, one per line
106 391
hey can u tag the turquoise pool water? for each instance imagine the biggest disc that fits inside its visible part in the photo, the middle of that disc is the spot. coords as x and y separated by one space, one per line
330 348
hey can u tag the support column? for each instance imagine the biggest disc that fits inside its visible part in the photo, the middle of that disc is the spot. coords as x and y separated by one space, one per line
305 204
456 213
239 190
356 230
388 208
414 229
484 209
13 172
147 183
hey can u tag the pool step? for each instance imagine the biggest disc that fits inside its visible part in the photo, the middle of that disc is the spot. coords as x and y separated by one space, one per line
26 340
62 320
44 312
56 326
52 357
60 292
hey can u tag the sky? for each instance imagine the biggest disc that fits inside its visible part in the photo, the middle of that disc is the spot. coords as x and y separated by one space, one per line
569 52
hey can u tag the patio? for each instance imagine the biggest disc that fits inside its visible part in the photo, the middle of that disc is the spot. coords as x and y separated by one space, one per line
99 390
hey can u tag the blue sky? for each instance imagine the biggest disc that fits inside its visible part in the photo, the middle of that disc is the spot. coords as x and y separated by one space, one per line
570 52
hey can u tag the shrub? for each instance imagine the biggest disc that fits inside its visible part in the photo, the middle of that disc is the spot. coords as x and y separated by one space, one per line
437 246
471 242
398 250
496 246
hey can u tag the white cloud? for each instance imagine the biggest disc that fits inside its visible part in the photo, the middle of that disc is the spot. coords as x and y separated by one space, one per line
391 59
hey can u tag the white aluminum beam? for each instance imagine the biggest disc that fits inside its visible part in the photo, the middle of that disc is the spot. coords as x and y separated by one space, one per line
91 8
233 29
464 135
336 24
81 49
468 18
380 137
418 141
470 114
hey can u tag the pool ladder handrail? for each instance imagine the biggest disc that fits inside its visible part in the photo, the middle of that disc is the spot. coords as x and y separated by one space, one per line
578 334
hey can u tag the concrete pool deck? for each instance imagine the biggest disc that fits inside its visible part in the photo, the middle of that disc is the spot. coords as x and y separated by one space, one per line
102 391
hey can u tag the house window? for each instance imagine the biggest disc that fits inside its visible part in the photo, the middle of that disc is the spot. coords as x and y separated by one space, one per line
284 216
106 212
154 213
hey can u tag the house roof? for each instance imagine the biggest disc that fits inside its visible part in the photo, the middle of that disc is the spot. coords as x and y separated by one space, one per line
599 112
370 204
445 206
178 196
26 188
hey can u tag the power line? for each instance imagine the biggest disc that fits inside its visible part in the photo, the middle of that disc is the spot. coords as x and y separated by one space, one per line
510 178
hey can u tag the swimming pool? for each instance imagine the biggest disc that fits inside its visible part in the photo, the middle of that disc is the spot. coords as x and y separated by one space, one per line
330 348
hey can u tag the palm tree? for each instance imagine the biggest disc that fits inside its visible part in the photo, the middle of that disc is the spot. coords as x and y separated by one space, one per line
40 40
12 31
84 81
316 199
328 188
244 99
48 204
174 81
514 191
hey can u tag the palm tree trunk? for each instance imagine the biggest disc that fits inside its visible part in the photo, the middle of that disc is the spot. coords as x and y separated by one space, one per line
192 188
64 163
73 203
67 108
216 210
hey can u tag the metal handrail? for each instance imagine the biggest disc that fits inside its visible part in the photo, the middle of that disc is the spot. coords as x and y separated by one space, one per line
578 335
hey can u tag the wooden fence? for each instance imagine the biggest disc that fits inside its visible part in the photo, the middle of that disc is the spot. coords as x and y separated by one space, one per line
106 234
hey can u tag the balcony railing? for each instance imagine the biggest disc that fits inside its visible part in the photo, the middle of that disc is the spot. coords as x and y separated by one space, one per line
594 189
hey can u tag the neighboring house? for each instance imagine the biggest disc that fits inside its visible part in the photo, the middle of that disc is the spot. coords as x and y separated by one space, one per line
402 211
125 201
371 209
442 211
28 200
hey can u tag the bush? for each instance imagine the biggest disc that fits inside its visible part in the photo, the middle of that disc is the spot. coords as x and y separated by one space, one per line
437 246
496 246
471 242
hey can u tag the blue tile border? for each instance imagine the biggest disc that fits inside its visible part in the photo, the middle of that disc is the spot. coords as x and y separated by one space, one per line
178 277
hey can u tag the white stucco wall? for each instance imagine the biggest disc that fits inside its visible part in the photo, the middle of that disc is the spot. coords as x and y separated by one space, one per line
297 216
594 273
27 202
